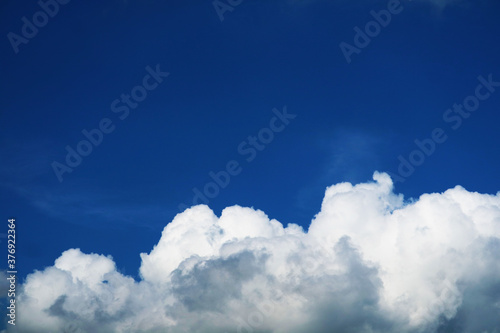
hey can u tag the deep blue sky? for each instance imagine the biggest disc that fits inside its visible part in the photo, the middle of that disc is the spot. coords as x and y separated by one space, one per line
225 79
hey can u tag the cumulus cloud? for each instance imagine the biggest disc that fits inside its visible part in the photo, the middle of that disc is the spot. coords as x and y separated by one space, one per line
369 262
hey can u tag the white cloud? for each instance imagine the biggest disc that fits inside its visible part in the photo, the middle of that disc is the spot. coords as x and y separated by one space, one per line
368 263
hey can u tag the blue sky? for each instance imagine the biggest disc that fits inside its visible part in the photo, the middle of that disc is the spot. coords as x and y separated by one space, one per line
225 78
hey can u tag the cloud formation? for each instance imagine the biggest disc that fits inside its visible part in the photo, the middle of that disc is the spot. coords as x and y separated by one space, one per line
370 262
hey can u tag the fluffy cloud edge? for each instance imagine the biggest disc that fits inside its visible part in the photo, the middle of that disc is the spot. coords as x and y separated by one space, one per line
369 262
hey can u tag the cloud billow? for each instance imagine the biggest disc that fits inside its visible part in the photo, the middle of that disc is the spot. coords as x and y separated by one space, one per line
369 262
